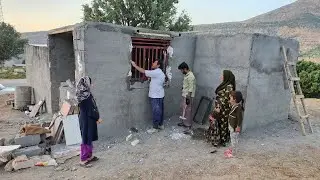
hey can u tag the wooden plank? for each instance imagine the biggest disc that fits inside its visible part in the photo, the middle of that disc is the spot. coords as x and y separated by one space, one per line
59 133
294 79
305 112
299 96
36 109
65 108
54 126
291 63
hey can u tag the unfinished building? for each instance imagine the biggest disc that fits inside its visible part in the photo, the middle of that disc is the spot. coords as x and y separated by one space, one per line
104 51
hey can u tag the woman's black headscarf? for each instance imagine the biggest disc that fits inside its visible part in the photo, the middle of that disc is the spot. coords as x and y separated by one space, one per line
228 78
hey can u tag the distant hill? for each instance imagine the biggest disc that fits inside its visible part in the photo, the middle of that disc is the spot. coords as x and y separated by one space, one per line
304 11
39 37
299 20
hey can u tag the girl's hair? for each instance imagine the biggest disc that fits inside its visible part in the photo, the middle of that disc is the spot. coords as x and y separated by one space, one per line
237 95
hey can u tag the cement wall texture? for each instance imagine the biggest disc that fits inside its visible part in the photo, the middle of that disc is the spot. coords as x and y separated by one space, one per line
257 63
102 51
238 27
184 48
268 96
216 53
107 62
38 73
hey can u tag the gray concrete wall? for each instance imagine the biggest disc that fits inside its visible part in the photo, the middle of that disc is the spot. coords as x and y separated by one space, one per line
79 51
62 61
237 28
268 94
257 63
107 62
184 49
38 73
217 53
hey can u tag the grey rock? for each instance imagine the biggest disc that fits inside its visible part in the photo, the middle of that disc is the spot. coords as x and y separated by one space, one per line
135 142
27 141
2 141
9 167
58 169
28 151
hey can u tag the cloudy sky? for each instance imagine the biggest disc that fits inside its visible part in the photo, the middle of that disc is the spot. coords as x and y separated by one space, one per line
36 15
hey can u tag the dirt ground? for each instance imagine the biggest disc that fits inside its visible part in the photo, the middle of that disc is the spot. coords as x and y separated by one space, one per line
277 151
10 120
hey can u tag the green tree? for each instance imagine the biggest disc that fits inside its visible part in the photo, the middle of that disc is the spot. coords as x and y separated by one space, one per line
309 73
152 14
11 43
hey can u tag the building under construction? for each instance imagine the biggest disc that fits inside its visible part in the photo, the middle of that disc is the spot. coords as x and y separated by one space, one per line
104 51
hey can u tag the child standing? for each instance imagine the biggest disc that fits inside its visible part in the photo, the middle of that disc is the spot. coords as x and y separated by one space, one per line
235 121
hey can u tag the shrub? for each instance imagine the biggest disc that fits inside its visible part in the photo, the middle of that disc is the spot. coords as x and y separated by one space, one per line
312 53
309 73
11 73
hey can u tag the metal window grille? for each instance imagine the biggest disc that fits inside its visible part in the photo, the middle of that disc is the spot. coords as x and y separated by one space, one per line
144 52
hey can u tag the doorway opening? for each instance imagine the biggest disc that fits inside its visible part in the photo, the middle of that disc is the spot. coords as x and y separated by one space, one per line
62 63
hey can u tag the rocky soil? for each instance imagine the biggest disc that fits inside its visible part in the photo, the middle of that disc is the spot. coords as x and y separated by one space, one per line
277 151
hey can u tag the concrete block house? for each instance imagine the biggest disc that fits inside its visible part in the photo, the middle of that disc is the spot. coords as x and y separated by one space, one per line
103 51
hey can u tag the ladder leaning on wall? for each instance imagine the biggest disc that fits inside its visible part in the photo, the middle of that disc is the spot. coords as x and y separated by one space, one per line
296 91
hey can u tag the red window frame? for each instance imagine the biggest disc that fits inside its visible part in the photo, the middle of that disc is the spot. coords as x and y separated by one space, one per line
144 52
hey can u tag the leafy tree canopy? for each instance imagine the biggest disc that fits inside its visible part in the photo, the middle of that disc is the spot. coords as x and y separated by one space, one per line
11 43
152 14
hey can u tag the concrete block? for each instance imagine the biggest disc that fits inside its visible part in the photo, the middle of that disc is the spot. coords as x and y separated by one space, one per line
6 151
8 167
129 137
28 151
2 141
22 162
79 45
61 152
22 96
27 141
135 142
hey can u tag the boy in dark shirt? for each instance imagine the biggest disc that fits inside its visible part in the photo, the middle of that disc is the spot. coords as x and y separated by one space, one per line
235 120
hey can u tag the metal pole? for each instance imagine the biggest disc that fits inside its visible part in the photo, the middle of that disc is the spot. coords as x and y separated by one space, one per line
1 13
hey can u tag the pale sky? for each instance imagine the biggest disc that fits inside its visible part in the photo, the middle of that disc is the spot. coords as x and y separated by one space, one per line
36 15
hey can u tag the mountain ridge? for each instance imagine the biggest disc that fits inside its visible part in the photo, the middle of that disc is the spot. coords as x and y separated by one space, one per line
299 20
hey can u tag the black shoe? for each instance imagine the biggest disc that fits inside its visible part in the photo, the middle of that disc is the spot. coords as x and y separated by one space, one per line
156 127
214 151
215 145
182 125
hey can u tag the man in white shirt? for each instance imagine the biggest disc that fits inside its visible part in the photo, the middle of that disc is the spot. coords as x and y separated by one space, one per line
156 93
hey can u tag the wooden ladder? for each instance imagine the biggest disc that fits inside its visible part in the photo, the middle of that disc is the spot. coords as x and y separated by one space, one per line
296 91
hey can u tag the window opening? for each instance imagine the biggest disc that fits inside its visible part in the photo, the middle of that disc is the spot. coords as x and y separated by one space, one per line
144 52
